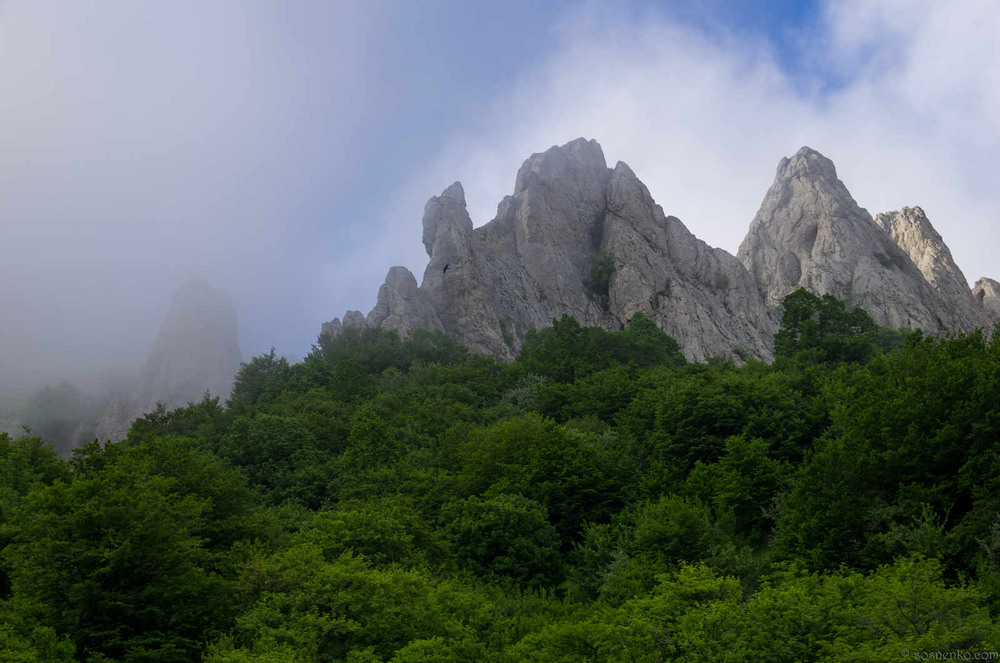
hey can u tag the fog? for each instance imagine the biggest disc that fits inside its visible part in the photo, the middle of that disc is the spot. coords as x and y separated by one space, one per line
284 151
250 143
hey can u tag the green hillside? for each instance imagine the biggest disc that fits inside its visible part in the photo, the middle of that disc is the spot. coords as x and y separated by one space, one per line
598 499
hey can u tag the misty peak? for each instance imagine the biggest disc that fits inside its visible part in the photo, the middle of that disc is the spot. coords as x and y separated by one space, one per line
196 350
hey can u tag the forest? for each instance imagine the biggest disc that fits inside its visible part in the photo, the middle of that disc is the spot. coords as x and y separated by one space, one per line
598 499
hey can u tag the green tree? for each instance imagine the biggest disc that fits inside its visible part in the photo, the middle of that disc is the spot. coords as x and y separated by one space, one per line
371 443
264 376
279 456
318 611
386 530
598 280
745 482
113 561
573 475
824 329
506 536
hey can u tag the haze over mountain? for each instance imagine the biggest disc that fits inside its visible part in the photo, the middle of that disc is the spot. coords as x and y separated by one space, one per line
285 150
579 238
195 353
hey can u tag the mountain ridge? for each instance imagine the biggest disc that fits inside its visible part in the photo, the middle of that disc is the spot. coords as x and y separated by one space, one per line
535 261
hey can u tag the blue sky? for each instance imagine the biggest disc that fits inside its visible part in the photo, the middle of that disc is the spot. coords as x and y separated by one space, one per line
284 150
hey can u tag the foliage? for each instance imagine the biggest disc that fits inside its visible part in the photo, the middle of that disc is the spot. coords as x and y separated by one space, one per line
113 561
824 329
598 280
398 499
567 351
506 536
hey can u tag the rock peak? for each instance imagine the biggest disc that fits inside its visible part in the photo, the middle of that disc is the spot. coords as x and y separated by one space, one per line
487 287
196 350
454 194
914 234
807 163
987 293
569 161
446 217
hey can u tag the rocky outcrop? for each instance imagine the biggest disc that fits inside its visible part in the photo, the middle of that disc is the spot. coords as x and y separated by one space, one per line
401 307
987 293
810 233
487 286
114 423
700 295
913 233
196 351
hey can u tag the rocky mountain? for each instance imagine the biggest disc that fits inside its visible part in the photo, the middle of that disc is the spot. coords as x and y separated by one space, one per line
809 232
580 238
196 350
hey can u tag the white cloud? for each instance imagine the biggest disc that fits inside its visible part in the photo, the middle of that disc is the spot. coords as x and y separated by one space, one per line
704 118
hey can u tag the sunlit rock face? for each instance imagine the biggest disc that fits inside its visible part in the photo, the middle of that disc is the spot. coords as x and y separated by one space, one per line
913 233
810 233
196 351
487 286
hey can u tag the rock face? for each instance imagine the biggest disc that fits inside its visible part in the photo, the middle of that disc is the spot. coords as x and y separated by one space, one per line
196 350
915 235
810 233
987 293
487 286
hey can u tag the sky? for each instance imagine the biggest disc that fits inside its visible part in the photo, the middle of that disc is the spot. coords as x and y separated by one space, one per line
284 151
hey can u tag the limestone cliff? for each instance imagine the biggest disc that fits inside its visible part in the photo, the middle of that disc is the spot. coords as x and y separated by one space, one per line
810 233
487 286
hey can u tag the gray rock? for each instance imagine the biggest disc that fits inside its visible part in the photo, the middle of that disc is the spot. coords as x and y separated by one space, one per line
810 233
114 423
401 305
987 293
354 319
914 234
701 296
333 328
487 286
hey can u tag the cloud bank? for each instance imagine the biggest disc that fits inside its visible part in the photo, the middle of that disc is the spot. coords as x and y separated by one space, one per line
903 96
285 151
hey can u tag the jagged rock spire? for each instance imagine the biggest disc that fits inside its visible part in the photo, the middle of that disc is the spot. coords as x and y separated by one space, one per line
810 233
486 287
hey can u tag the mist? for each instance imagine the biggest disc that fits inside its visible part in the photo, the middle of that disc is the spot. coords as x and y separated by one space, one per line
284 152
248 143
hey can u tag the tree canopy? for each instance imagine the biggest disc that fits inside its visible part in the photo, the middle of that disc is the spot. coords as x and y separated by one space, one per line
597 499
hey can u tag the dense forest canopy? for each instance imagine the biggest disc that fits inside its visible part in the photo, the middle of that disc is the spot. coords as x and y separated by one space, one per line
598 499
